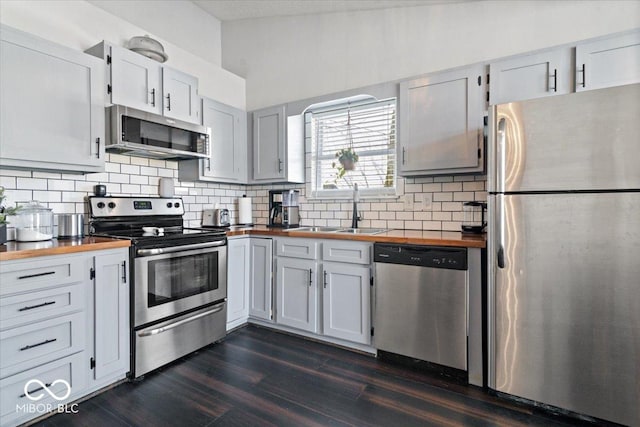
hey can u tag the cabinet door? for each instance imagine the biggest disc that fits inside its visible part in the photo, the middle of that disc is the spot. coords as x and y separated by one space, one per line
614 61
441 123
238 273
135 81
347 302
297 295
111 308
530 76
260 299
269 140
180 95
228 131
52 105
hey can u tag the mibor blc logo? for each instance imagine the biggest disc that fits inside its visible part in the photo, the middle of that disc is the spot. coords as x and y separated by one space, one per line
37 393
41 391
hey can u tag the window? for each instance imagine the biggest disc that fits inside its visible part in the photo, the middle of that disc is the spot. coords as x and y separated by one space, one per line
368 130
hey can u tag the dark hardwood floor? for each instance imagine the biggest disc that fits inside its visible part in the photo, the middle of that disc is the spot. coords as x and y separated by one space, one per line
258 377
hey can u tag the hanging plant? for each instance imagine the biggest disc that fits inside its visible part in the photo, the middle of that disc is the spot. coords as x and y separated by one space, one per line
347 157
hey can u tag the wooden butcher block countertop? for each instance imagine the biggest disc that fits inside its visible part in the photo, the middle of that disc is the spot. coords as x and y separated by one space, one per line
21 250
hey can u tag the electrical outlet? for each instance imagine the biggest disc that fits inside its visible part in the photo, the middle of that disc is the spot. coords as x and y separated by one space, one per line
408 202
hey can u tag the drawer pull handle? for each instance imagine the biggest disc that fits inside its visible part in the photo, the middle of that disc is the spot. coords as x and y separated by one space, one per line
29 276
27 347
35 390
31 307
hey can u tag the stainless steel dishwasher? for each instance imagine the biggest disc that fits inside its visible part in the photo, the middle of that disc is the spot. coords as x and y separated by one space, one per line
421 302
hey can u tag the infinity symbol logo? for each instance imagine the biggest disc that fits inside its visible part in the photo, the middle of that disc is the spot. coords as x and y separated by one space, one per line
45 387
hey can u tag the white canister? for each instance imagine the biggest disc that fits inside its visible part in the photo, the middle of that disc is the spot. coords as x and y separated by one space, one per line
166 188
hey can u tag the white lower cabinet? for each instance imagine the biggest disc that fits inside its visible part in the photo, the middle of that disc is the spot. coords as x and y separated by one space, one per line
238 276
65 323
323 289
297 293
346 302
261 273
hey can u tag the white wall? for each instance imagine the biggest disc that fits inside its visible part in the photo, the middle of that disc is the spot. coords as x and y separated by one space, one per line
290 58
181 22
80 25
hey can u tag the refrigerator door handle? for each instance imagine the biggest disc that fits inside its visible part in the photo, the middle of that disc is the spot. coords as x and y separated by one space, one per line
500 231
501 155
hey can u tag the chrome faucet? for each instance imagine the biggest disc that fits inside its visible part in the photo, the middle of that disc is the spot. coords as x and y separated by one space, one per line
356 198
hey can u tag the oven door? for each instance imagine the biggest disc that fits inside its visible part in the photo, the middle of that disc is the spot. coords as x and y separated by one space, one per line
169 281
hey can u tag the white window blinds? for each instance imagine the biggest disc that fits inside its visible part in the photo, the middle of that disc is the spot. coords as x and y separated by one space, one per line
369 131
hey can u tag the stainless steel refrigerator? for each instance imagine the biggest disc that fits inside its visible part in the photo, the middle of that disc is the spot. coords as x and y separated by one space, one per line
564 252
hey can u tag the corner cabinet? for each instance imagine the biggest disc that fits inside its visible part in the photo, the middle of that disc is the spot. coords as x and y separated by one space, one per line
260 281
144 84
227 160
52 105
278 146
442 123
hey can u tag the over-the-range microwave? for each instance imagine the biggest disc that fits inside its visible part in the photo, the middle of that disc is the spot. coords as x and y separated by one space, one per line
139 133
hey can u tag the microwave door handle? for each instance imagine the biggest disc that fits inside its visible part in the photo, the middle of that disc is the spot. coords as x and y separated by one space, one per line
172 249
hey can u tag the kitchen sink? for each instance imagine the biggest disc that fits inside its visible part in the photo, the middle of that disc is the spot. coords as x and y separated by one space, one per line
317 229
369 231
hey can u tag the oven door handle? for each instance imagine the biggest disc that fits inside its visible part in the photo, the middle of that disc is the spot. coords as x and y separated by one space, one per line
156 331
159 251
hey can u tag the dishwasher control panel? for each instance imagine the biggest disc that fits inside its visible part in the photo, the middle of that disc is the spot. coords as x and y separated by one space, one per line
422 256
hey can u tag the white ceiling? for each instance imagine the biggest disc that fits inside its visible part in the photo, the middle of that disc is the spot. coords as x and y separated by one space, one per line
232 10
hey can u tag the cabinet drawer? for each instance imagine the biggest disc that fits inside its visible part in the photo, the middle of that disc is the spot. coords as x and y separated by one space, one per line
29 346
351 252
29 275
297 248
36 306
71 369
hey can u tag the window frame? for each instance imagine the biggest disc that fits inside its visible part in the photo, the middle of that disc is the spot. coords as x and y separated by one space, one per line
313 192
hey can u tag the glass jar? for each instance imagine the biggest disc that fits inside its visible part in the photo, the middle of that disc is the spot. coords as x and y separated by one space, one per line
473 221
34 223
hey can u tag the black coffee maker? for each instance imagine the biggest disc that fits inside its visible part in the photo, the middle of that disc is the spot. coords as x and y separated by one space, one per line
284 208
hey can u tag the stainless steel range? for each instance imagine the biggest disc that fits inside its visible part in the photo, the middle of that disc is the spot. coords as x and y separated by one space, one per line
179 277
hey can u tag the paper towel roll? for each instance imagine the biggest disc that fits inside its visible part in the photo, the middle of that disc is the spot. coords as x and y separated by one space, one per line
245 214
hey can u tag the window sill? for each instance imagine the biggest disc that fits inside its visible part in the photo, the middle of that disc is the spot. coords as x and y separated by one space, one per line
348 195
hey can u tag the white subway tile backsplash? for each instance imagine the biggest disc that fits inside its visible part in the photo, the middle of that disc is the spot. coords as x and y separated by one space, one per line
101 177
119 178
130 169
16 173
138 179
60 185
463 196
48 175
112 167
157 163
119 158
8 182
31 184
47 196
148 171
140 161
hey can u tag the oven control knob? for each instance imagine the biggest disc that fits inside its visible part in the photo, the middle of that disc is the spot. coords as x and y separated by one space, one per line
169 204
112 205
100 205
176 205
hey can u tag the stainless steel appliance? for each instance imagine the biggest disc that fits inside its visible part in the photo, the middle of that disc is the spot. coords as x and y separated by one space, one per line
284 208
179 287
421 302
564 294
70 225
139 133
216 218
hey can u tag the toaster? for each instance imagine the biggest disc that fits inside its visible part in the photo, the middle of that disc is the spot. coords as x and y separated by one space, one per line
215 218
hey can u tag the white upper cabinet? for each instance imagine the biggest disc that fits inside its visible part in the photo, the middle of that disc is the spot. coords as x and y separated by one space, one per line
269 144
441 123
531 76
611 61
180 95
227 162
136 81
278 146
139 82
51 105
